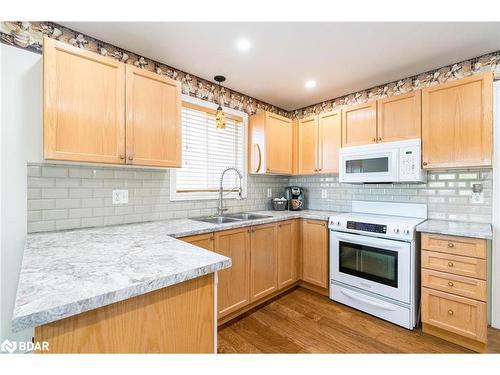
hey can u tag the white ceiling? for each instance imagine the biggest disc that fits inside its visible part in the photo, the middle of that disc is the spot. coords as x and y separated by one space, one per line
341 57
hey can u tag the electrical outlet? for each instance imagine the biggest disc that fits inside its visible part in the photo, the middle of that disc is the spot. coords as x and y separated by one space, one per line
477 193
269 192
477 198
324 193
120 196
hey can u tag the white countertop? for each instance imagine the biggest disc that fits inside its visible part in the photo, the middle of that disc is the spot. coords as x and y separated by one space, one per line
457 228
65 273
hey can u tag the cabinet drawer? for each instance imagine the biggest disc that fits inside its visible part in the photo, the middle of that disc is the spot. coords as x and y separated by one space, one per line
466 246
465 266
463 316
459 285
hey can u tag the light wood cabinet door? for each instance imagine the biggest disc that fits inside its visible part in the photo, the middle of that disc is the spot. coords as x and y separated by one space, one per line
315 252
399 117
288 237
457 127
153 119
329 141
359 124
463 316
263 261
278 144
205 241
84 105
308 145
234 282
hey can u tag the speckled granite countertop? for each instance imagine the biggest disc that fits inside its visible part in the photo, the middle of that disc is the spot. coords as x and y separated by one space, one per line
65 273
457 228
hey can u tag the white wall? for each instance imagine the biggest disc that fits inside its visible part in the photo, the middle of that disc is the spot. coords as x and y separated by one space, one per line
495 279
21 129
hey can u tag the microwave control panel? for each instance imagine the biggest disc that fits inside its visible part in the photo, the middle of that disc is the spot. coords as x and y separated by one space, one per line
409 163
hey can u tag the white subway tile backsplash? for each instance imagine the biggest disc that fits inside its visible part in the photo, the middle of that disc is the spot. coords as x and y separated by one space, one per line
67 203
54 171
66 197
54 214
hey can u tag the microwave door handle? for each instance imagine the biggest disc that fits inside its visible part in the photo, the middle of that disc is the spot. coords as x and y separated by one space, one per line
368 302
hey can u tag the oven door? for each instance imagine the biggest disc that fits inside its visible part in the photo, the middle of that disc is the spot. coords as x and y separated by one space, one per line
375 265
357 166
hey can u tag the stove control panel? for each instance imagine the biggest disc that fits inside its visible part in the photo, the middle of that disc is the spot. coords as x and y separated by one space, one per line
400 231
366 227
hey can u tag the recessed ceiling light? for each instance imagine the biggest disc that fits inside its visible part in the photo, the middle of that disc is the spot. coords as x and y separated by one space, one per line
310 84
243 44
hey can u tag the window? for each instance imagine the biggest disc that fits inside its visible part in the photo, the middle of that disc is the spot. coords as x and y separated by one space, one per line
207 151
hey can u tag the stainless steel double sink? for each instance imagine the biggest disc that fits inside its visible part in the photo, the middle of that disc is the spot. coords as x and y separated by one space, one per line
231 218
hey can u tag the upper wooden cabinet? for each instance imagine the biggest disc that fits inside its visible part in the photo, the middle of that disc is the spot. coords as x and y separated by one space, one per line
99 110
319 141
308 145
153 119
457 128
263 261
359 124
329 141
270 143
84 105
399 117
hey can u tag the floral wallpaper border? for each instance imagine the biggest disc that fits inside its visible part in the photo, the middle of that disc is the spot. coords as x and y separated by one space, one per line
484 63
29 35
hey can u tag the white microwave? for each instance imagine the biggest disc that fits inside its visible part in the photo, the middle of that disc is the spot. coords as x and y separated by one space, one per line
382 162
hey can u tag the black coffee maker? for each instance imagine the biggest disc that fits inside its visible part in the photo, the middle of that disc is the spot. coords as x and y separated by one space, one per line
295 197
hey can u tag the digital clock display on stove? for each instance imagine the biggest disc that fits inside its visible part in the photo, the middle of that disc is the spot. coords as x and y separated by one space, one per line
367 227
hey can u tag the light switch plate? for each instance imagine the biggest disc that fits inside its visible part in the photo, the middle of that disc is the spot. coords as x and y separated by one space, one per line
120 196
269 192
324 193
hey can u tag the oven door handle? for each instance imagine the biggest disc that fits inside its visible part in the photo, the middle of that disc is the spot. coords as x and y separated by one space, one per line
368 302
370 241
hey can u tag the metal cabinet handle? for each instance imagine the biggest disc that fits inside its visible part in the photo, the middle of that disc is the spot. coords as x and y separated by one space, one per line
379 139
131 157
424 163
450 283
122 157
450 312
451 244
450 264
374 139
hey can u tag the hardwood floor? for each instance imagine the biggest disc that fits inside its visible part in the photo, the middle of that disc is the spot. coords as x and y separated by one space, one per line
302 321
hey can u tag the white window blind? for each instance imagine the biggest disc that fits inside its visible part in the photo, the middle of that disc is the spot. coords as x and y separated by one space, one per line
207 151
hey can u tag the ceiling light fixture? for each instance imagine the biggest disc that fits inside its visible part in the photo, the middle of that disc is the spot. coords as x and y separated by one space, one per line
220 123
310 84
243 44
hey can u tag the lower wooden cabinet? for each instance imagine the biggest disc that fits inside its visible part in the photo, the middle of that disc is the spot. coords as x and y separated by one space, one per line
206 241
315 252
454 289
263 261
463 316
234 282
288 243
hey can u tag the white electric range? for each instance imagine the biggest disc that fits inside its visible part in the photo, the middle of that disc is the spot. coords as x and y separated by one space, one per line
374 260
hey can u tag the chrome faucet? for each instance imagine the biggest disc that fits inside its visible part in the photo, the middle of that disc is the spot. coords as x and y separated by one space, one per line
220 208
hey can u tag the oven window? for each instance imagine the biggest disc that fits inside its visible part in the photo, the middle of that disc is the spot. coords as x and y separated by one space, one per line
374 165
369 263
